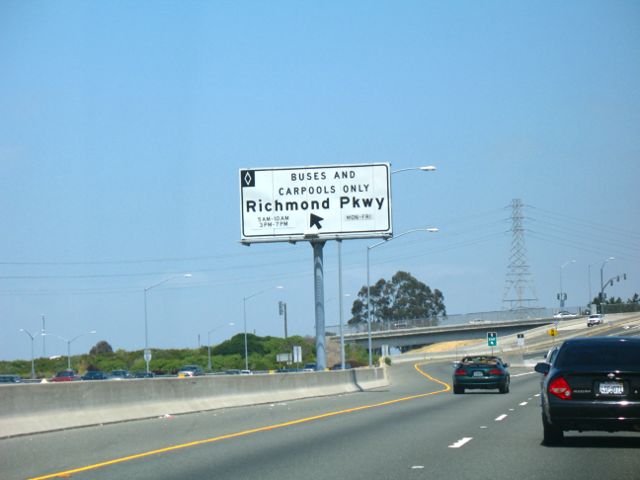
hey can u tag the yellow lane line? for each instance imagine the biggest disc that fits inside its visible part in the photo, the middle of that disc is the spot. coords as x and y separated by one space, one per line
68 473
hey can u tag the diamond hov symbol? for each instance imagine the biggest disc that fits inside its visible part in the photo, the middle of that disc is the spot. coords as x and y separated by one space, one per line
248 178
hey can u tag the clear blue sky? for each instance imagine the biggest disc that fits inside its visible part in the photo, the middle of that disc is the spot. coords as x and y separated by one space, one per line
123 126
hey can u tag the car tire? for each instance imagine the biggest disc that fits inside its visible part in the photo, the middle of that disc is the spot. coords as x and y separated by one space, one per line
458 390
504 388
552 435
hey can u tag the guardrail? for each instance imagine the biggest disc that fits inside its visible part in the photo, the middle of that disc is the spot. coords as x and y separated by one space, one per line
35 408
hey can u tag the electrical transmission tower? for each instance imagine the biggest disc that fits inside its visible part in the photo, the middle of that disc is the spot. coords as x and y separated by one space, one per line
519 291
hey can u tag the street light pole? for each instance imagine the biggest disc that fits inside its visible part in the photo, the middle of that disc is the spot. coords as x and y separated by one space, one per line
69 342
562 295
231 324
244 319
44 345
147 353
602 283
369 248
33 365
340 316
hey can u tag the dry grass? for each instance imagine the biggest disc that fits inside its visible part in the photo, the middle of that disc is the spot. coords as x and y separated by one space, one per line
446 346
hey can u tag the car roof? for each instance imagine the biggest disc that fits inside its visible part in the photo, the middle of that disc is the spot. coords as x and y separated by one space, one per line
601 340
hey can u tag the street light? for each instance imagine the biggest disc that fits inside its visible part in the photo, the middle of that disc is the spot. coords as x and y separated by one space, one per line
602 281
244 317
562 297
69 342
428 168
230 324
33 365
147 353
369 248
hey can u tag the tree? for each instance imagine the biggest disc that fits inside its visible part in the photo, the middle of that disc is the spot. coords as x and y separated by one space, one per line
403 297
101 348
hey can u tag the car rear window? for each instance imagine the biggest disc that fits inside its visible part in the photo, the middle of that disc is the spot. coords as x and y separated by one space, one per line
618 354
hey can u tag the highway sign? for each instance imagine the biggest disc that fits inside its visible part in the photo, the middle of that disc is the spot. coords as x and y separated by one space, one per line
147 355
297 354
317 202
520 339
492 339
553 332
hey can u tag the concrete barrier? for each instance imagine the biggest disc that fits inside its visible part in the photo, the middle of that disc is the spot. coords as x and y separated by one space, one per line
36 408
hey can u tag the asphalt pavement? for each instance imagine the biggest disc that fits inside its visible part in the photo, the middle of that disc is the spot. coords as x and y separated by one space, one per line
416 428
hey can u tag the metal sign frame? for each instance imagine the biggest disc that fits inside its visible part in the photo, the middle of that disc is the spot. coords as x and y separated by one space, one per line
328 202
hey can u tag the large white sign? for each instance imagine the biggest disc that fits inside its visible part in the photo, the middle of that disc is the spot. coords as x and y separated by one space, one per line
320 202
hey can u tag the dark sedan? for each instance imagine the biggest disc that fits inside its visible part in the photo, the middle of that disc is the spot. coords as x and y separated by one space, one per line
593 384
483 372
95 375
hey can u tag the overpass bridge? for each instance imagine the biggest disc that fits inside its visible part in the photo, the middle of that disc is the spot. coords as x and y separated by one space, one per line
413 337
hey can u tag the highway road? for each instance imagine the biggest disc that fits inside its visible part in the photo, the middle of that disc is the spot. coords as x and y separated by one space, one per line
415 429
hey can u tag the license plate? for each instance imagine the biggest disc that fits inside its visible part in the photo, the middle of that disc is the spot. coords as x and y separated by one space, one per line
611 388
478 374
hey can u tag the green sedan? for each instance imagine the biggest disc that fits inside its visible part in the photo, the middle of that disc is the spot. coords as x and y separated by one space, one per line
481 372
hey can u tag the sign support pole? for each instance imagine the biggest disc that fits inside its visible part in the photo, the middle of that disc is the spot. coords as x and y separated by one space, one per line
318 280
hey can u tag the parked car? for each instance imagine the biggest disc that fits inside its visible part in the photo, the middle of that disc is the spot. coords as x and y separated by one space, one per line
120 375
10 379
593 384
65 376
95 375
190 371
483 372
595 319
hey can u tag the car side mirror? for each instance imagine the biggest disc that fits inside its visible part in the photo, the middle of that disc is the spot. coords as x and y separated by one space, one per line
542 367
505 365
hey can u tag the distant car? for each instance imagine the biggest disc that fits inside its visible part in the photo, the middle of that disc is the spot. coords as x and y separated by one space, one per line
309 367
10 379
595 319
564 314
143 375
65 376
190 371
246 372
338 366
593 384
95 375
483 372
233 371
120 375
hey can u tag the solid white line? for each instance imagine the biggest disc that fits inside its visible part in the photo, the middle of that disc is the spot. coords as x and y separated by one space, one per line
501 417
522 374
461 442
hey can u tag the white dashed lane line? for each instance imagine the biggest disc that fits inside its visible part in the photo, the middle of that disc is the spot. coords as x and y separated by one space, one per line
465 440
461 442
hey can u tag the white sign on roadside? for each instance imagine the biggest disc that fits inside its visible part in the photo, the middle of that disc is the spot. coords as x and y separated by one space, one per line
318 202
297 354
